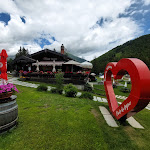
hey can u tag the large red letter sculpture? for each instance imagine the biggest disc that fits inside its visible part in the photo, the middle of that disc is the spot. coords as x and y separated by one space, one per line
140 92
3 66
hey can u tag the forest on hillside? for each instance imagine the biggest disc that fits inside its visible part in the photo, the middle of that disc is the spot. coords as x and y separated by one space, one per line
138 48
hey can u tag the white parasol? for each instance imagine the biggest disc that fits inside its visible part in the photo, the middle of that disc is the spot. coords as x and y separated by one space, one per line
72 62
87 65
37 65
54 69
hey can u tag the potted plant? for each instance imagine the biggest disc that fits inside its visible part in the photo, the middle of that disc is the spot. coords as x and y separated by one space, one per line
7 90
8 107
8 104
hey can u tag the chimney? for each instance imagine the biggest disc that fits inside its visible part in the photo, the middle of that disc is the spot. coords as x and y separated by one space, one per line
62 49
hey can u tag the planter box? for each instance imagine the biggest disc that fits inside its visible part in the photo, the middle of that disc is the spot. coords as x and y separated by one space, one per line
8 113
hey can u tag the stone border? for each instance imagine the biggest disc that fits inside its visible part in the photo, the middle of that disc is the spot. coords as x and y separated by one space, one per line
112 123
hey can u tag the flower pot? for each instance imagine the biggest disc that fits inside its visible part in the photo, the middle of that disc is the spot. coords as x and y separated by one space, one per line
8 113
5 95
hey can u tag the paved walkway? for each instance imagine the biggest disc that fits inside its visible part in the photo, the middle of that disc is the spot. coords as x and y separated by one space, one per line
112 123
15 80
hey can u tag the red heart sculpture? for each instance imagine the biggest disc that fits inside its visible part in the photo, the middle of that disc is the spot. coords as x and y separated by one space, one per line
140 92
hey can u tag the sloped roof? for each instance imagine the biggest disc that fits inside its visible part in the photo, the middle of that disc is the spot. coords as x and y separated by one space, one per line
24 59
50 52
37 55
78 59
66 56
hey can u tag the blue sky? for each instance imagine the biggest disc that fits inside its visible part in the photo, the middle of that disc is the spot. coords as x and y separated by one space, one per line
5 18
141 14
86 28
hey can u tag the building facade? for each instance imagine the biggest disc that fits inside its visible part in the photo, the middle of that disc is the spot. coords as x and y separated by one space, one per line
50 60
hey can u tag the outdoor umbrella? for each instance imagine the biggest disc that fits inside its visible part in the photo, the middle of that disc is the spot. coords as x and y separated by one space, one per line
87 65
93 74
37 65
72 62
54 70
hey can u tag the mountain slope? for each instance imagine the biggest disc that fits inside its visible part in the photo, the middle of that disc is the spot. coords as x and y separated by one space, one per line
138 48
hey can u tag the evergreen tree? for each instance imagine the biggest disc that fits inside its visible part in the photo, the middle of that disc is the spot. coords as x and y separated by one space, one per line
95 66
22 51
9 64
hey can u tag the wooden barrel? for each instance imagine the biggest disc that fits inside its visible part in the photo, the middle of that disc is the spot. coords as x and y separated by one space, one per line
8 113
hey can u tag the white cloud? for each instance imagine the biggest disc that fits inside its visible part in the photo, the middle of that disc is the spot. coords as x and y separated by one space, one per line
70 22
8 6
146 2
56 45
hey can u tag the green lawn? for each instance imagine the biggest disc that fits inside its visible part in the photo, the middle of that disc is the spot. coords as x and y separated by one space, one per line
55 122
101 90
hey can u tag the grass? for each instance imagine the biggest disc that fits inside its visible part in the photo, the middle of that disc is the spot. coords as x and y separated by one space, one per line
98 79
55 122
101 90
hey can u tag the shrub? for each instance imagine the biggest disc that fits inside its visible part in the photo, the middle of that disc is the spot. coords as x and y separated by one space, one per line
70 90
59 91
42 87
125 90
114 86
87 95
53 90
129 82
88 87
59 83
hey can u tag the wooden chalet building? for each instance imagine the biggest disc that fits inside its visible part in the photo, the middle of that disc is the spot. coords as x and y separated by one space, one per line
42 66
49 60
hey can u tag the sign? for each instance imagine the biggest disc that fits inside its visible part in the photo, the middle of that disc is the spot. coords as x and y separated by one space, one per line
46 58
140 92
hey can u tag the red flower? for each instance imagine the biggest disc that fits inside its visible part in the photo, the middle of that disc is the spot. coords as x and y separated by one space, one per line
21 71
